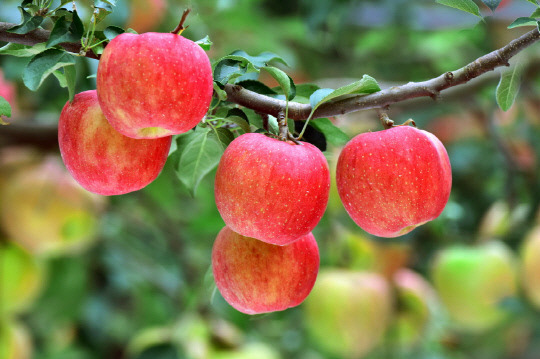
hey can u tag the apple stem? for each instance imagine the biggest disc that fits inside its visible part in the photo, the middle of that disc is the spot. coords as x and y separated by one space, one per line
385 120
283 128
180 28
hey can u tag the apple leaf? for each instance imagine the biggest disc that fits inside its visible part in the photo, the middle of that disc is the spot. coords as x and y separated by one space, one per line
239 118
261 60
205 43
332 133
228 70
535 2
284 81
43 64
508 87
306 90
5 107
200 156
463 5
66 31
28 23
536 13
112 31
239 63
492 4
71 78
523 21
19 50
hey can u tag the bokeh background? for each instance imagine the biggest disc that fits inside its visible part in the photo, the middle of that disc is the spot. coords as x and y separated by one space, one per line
83 276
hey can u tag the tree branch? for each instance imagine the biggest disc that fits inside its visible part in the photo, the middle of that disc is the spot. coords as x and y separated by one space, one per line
297 111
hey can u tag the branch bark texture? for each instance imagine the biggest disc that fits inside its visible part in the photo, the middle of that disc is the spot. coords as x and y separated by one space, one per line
297 111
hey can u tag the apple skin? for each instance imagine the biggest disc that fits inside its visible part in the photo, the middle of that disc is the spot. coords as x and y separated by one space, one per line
472 281
257 277
8 92
394 180
23 277
348 312
45 211
271 190
101 159
15 341
154 84
530 265
145 15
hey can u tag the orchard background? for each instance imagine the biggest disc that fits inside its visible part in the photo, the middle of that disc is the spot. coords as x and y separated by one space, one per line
129 276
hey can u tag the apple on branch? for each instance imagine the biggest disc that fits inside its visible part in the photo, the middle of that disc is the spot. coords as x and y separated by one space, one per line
154 84
257 277
394 180
272 190
100 158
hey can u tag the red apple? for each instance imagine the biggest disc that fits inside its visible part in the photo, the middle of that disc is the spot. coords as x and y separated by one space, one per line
257 277
8 92
100 158
272 190
154 84
394 180
145 15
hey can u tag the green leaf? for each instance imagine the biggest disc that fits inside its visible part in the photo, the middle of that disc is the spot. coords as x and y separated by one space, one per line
284 81
332 133
364 86
66 31
523 21
43 64
492 4
306 90
71 79
19 50
205 43
221 94
228 70
463 5
242 123
261 60
5 107
28 23
112 31
106 5
258 87
60 77
536 13
535 2
508 87
200 156
224 136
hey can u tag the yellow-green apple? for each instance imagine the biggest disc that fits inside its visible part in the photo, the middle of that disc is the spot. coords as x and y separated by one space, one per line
348 312
154 84
500 219
394 180
530 265
22 276
272 190
145 15
257 277
45 211
416 299
473 281
100 158
15 341
248 351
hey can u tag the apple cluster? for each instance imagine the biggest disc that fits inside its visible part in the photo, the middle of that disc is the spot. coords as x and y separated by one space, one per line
271 194
116 139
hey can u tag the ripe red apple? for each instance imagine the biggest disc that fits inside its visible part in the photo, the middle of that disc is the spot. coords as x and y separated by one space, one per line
394 180
348 312
473 281
530 265
272 190
154 84
145 15
8 92
100 158
256 277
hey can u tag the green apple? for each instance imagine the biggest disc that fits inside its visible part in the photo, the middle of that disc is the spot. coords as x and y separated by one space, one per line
530 265
348 312
473 281
22 276
45 211
15 342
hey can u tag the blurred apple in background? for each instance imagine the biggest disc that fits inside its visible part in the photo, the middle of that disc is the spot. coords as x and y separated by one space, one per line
21 278
45 211
348 312
500 219
146 15
416 299
15 342
248 351
530 265
472 283
9 92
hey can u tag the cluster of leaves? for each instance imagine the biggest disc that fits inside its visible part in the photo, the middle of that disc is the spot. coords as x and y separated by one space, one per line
510 81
